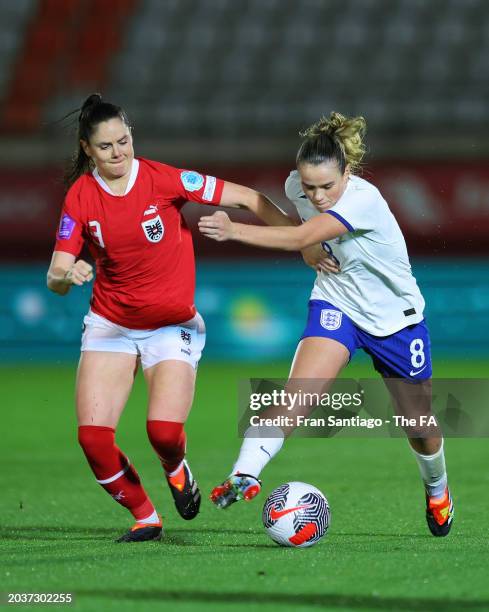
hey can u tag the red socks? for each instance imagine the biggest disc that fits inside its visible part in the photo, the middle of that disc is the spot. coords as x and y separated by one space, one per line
168 439
113 470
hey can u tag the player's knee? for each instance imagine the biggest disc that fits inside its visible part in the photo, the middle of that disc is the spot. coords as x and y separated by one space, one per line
94 440
166 437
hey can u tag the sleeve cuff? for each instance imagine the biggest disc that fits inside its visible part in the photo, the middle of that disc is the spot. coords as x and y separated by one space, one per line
334 214
218 193
66 248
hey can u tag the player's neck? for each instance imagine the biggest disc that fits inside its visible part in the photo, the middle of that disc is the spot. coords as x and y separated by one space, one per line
117 185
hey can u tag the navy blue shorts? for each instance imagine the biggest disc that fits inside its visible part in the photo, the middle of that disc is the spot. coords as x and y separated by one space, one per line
404 354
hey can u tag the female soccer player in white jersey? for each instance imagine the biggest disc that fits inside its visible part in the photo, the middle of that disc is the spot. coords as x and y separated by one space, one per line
370 301
127 211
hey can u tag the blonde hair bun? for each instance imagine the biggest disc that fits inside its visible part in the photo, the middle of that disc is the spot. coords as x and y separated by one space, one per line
347 132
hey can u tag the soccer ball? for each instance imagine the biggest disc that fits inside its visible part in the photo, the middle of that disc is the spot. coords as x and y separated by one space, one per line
296 514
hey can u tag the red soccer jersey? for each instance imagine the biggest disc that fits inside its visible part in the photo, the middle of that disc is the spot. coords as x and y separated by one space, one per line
140 242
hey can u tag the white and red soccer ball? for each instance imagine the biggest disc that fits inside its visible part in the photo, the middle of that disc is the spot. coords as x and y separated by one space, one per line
296 514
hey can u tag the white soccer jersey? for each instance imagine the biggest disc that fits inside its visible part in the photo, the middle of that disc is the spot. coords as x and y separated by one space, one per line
375 286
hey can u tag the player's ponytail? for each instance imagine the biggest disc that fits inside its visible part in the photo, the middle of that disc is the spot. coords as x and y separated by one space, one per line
337 138
93 111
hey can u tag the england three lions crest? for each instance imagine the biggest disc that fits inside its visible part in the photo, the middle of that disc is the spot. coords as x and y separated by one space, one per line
153 229
331 319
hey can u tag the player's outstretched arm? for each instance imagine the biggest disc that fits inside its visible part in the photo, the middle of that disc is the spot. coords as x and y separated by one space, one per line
294 238
65 272
238 196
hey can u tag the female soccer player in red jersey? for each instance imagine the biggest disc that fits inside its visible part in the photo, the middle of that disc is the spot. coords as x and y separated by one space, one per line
127 210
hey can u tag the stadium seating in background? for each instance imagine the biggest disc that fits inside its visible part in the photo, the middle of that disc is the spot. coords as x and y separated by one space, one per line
242 67
66 45
200 68
14 20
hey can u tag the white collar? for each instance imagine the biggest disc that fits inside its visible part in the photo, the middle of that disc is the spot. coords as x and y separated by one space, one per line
130 184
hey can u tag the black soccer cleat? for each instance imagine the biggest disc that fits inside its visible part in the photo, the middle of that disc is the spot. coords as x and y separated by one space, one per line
185 492
439 514
143 532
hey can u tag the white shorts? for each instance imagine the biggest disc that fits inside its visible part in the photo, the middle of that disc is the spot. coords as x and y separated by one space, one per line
183 342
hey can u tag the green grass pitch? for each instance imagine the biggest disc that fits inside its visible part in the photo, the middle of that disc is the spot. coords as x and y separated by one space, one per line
58 525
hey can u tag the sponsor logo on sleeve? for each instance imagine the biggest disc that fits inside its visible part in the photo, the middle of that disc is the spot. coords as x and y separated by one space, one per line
210 188
192 181
331 319
153 229
66 227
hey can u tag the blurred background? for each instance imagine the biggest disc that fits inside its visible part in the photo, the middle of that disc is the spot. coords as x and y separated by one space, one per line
224 86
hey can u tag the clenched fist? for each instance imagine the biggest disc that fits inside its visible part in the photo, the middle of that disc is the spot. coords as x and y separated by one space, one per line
79 273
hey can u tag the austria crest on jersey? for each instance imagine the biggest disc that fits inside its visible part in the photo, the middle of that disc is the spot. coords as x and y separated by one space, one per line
153 229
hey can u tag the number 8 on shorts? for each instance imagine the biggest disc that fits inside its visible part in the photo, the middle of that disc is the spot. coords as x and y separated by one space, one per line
417 353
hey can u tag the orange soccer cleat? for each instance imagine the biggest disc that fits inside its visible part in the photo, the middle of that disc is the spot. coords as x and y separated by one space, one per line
185 492
439 514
